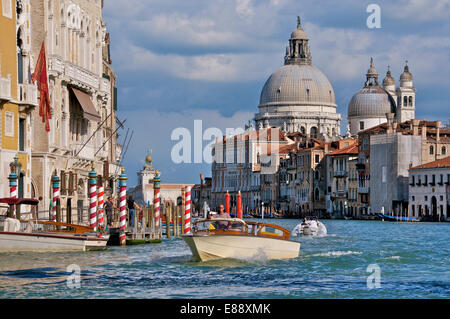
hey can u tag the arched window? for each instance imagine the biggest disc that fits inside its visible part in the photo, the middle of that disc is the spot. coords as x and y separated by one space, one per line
405 101
317 194
313 132
431 150
410 101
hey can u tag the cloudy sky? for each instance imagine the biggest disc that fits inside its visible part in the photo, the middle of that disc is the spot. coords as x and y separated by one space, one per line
178 61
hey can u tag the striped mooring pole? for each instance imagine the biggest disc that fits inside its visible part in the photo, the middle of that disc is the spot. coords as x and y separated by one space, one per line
93 198
13 189
55 186
187 211
123 209
156 198
101 192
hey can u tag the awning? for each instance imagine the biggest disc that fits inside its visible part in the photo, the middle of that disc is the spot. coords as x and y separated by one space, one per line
88 107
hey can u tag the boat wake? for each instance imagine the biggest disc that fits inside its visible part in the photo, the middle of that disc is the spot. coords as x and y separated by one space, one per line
336 253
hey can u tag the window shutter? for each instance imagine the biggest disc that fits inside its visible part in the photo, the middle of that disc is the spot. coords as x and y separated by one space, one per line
71 182
63 181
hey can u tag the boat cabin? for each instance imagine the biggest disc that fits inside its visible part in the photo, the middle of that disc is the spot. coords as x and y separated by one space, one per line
236 226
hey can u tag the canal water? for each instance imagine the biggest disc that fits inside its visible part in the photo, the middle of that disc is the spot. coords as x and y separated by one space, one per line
411 259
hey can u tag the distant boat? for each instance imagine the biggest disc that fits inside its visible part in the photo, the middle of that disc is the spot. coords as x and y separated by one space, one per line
397 218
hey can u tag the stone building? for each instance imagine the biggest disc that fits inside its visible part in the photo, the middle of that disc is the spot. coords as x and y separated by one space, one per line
342 191
429 190
386 152
298 97
143 193
18 96
83 101
239 163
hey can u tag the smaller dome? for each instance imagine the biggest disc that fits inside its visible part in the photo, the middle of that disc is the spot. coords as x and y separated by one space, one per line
148 159
371 102
406 75
299 34
388 80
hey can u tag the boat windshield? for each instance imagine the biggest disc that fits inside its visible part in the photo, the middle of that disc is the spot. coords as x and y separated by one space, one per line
221 224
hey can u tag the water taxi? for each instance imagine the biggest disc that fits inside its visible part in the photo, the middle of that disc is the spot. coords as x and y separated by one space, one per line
37 235
234 238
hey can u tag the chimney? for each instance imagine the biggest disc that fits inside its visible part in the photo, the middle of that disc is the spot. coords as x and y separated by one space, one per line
390 120
394 127
415 127
325 147
424 131
438 130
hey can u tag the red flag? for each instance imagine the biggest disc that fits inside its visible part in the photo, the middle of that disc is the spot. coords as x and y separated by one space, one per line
40 74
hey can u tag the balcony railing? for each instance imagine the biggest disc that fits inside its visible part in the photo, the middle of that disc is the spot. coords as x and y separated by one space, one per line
363 190
87 152
5 88
28 94
340 174
77 73
82 75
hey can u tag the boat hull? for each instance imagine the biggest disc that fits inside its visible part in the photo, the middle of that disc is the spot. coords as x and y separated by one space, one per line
16 242
241 247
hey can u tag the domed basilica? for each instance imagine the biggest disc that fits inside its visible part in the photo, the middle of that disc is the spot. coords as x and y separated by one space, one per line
368 107
298 97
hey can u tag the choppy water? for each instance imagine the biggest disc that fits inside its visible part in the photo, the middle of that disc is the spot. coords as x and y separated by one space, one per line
414 261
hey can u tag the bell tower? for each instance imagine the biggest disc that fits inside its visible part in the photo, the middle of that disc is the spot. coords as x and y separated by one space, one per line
406 96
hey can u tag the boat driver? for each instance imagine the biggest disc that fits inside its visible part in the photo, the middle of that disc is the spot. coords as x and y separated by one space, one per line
222 214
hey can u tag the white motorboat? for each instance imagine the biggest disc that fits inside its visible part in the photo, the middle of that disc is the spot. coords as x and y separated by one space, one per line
310 227
37 235
234 238
18 236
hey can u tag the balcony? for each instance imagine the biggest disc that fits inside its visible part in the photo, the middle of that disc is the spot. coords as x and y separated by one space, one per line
55 64
79 74
363 190
27 94
87 152
340 174
5 89
339 194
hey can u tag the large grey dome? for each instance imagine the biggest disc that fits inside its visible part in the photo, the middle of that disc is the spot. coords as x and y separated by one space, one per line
372 101
295 84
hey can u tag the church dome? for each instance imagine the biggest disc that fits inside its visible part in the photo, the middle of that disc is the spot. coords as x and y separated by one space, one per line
372 101
297 84
388 80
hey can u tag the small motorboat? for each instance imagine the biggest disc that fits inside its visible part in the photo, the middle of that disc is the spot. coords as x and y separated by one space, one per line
37 235
310 227
234 238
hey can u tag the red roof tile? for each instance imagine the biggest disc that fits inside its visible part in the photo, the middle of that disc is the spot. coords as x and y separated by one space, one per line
440 163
